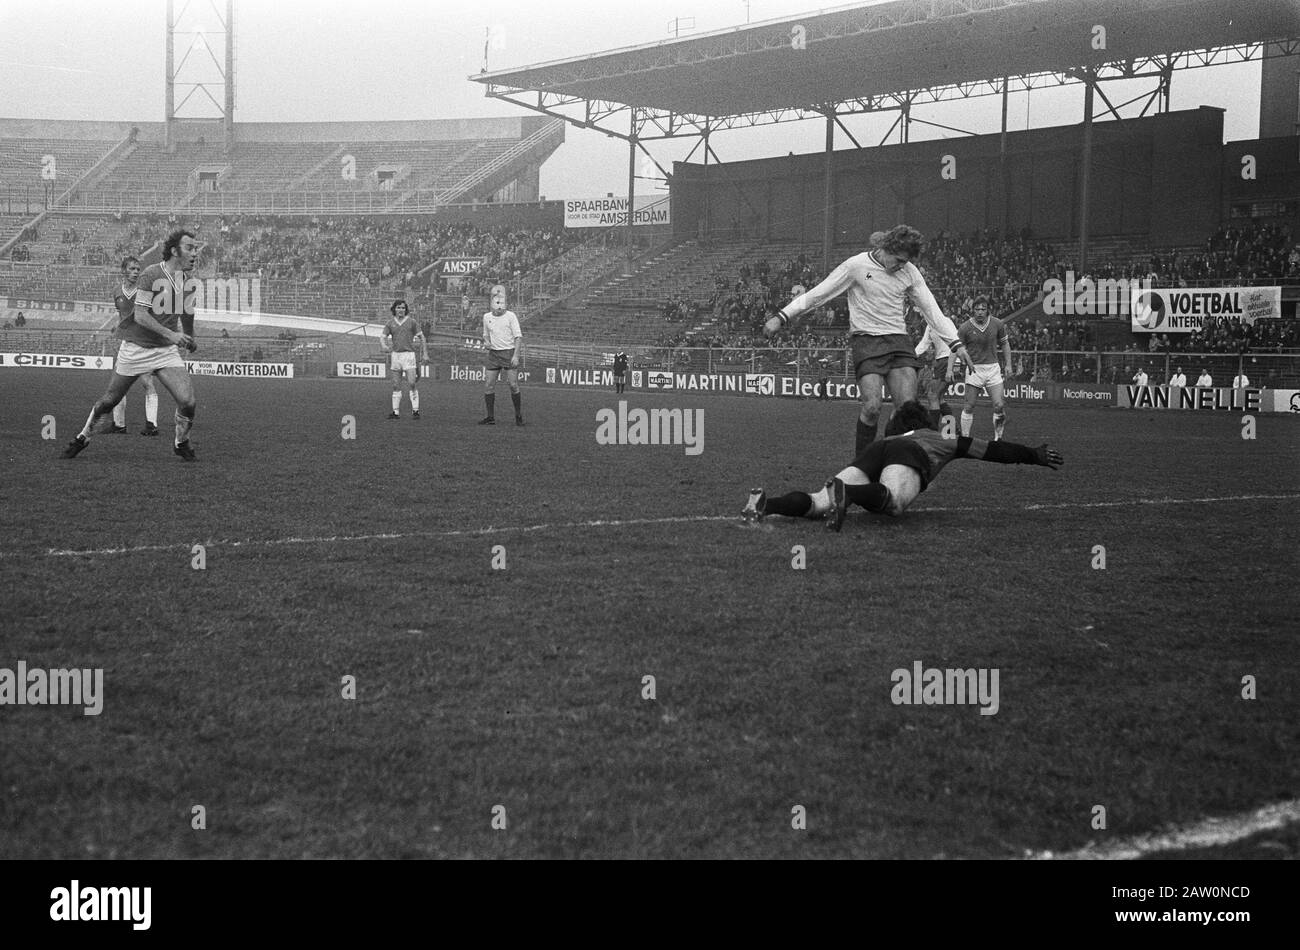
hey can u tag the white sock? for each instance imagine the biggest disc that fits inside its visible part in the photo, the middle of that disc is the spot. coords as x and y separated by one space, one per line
821 503
967 422
415 400
119 413
90 421
397 399
999 425
150 408
182 428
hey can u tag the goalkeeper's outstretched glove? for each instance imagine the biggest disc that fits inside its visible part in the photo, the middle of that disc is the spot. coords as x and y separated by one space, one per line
1049 457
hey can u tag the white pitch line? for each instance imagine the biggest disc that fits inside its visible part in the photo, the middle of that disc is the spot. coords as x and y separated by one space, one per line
600 523
1208 833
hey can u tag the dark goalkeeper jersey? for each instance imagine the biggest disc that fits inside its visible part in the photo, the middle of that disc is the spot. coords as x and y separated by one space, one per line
922 449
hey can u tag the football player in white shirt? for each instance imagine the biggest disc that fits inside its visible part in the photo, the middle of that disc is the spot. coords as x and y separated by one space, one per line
503 343
938 376
1205 380
879 283
1178 379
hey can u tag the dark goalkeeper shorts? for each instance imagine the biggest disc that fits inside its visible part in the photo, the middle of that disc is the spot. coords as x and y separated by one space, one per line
877 355
895 451
499 359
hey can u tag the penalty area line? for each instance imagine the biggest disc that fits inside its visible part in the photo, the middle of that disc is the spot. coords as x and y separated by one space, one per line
598 523
1207 833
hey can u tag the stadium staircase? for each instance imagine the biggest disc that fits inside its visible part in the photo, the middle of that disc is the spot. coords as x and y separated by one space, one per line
629 308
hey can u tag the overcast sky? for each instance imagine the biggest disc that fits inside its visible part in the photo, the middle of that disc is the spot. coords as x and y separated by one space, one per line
313 60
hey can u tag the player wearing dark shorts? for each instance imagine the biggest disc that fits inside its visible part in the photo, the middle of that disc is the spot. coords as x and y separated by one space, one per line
503 343
888 475
620 370
879 284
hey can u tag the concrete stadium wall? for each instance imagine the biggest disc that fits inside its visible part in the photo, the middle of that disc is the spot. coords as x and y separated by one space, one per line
397 131
1276 182
1156 178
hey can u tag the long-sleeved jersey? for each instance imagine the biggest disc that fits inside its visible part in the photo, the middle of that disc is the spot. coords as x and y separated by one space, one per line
877 298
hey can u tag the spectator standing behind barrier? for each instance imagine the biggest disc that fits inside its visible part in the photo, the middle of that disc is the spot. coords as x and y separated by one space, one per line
1140 377
1240 381
1205 380
1178 379
20 320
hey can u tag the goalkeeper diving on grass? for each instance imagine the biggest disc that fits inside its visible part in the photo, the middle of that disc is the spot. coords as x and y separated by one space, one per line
887 476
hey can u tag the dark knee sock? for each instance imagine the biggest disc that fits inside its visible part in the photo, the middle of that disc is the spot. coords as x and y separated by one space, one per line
866 435
490 400
795 504
873 497
514 397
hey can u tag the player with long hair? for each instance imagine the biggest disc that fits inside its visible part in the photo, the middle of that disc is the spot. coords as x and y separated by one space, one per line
879 283
400 336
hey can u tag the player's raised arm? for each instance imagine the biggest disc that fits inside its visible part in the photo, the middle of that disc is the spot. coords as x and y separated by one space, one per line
944 329
836 282
923 347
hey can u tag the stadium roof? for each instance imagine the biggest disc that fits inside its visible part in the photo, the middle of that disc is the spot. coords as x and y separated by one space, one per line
868 57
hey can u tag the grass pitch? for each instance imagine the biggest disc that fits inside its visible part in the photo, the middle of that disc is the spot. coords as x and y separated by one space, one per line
523 687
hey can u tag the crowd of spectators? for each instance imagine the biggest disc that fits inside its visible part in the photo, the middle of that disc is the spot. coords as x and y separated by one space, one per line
1011 272
1233 255
370 252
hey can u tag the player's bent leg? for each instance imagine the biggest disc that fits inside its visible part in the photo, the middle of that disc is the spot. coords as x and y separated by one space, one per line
999 411
116 392
903 483
902 384
176 380
119 416
869 386
117 388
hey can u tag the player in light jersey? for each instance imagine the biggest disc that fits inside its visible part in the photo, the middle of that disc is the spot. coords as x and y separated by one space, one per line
399 338
503 342
986 340
937 374
888 475
160 327
879 283
124 301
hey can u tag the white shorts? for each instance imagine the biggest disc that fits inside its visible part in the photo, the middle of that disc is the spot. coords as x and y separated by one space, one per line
984 374
136 360
404 361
